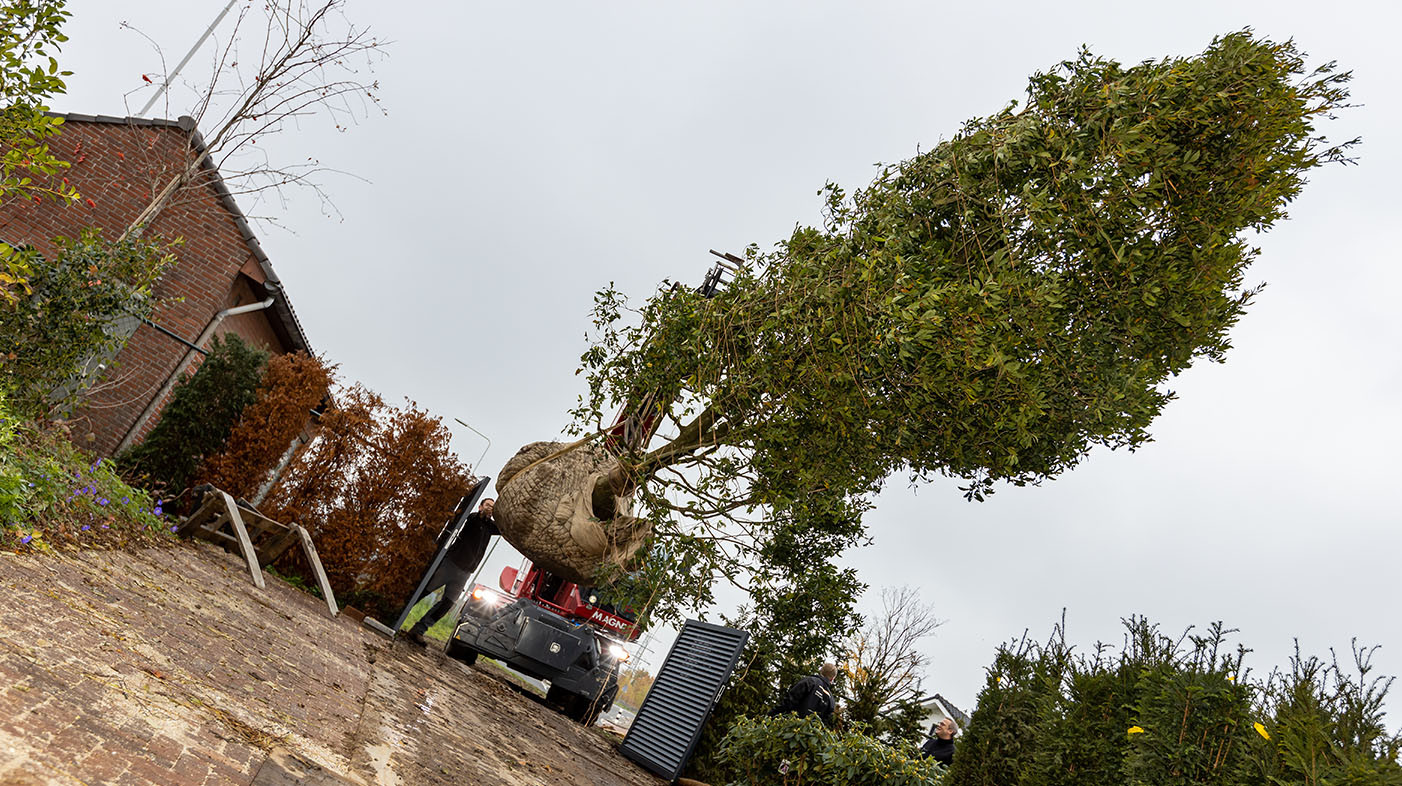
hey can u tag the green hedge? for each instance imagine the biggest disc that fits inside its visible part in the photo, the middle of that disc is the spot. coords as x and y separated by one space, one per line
1174 710
1158 710
797 751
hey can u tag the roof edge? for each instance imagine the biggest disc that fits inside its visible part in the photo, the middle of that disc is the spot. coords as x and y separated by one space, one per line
273 286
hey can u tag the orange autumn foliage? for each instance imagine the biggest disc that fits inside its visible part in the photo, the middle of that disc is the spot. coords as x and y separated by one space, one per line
292 385
373 489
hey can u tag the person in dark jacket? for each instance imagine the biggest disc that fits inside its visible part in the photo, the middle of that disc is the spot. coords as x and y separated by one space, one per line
457 565
811 695
940 745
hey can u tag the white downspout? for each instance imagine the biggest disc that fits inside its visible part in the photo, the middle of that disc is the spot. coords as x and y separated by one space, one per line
184 363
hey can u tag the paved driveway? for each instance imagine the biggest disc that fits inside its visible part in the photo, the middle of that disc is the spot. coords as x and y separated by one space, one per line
169 667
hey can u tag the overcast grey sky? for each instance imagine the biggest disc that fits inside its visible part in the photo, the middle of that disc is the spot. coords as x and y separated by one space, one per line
534 152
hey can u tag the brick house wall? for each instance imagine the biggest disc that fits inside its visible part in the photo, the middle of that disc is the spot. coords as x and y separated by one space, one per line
119 165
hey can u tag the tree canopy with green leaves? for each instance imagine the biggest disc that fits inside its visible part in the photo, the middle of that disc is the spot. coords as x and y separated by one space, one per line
29 75
989 310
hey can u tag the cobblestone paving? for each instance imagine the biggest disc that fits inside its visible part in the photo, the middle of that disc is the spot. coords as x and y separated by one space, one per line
169 667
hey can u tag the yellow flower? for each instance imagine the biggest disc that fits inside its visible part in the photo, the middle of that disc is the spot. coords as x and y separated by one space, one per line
1261 730
1135 730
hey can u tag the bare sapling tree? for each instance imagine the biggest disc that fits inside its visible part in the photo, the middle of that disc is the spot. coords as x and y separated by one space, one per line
884 666
285 61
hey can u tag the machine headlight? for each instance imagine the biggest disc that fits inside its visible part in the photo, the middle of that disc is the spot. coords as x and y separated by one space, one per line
483 595
618 653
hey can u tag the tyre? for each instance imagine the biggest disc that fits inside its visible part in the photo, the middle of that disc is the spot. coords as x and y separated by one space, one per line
606 698
461 652
589 711
593 708
574 706
559 697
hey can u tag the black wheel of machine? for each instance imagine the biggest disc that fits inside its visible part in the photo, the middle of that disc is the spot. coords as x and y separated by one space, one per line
461 652
606 700
586 709
589 711
572 705
559 697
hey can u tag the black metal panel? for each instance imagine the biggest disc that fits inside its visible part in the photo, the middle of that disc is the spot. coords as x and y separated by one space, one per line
668 725
549 645
465 507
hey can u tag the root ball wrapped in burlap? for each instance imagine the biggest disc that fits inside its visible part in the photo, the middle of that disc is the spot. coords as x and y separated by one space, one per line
545 509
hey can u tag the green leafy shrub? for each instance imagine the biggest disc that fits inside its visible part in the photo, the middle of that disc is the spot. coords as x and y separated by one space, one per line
801 607
802 752
67 320
12 482
196 423
1172 711
53 496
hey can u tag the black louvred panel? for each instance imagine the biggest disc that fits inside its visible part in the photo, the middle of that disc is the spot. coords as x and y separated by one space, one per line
668 725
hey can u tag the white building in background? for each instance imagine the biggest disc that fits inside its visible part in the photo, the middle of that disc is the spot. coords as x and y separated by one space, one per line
937 708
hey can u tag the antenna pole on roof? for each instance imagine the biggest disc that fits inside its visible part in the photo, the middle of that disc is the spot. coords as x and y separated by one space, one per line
173 74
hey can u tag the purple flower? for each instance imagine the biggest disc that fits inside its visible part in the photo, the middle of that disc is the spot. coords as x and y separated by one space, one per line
172 529
26 539
104 526
87 527
125 500
103 501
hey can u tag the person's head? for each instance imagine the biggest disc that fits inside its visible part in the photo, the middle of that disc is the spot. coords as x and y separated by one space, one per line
486 507
945 729
828 671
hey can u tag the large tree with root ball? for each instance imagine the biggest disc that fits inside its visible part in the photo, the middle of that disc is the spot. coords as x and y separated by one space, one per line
989 310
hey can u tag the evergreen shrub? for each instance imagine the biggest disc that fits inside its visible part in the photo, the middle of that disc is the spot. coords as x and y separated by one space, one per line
196 423
1169 710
